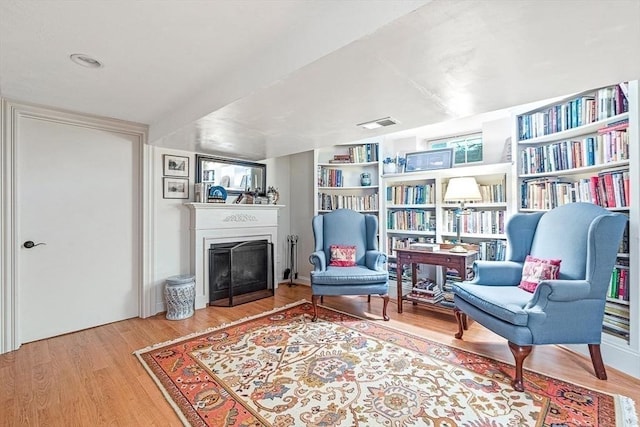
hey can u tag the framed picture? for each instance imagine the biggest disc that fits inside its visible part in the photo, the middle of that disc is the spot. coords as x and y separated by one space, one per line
175 188
176 165
429 160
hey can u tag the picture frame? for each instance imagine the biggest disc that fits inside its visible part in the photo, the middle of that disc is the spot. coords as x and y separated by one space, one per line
429 160
175 165
175 188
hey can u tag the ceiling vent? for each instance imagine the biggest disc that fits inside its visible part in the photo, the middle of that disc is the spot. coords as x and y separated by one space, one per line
385 121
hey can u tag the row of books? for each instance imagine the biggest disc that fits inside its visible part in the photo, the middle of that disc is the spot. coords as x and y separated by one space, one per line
616 319
405 272
609 189
329 177
591 151
476 221
619 283
411 194
328 202
615 327
447 293
604 103
624 243
493 193
411 219
492 250
358 154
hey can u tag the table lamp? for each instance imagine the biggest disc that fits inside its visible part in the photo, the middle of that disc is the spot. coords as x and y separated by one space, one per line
461 189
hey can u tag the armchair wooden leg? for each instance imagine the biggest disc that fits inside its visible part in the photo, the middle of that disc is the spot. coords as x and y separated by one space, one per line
369 298
596 359
462 322
385 302
314 302
520 352
321 299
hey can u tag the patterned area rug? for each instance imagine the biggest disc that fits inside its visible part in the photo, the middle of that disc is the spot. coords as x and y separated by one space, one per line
281 369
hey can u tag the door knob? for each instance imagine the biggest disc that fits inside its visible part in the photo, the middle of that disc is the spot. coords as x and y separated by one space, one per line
29 244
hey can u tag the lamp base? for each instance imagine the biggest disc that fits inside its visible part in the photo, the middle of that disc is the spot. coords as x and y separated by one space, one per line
458 249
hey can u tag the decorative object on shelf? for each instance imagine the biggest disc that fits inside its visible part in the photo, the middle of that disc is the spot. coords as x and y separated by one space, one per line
393 164
217 194
389 165
429 160
461 189
175 188
201 192
175 165
365 179
248 197
506 151
272 195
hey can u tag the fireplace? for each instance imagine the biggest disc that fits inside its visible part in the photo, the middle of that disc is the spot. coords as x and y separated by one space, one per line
240 272
226 223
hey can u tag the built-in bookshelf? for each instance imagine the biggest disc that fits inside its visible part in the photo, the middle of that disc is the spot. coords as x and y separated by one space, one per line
410 216
414 212
347 176
584 148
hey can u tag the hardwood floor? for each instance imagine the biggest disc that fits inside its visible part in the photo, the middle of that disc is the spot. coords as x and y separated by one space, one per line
91 377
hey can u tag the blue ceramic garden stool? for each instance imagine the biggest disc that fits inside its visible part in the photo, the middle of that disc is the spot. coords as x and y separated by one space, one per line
180 295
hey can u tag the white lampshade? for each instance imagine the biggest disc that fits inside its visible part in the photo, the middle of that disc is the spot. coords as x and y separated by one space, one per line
462 189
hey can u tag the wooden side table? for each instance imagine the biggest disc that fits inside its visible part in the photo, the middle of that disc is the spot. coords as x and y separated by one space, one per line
453 260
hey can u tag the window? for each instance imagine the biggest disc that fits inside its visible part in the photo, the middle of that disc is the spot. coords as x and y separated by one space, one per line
466 148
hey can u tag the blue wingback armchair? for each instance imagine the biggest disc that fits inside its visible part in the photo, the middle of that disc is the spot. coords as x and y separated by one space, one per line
569 310
368 276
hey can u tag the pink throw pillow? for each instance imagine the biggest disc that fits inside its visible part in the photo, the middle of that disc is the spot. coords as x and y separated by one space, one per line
536 270
342 256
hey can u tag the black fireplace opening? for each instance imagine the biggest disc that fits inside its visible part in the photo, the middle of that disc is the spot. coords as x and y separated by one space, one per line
240 272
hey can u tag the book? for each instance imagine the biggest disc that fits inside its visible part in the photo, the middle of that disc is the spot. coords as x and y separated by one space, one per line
618 125
427 247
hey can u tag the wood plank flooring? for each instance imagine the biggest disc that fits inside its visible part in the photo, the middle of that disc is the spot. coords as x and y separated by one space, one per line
91 377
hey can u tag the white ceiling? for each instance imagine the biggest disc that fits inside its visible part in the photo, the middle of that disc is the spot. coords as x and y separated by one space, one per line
256 79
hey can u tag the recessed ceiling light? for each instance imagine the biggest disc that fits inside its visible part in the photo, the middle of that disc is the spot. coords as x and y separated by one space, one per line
85 60
374 124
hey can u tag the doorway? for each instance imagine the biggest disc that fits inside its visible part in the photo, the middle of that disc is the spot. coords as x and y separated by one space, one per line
77 217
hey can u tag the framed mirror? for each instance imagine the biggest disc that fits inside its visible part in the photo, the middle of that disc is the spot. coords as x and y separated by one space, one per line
235 176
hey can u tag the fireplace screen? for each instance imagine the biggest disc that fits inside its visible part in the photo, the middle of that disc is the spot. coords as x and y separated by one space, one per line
240 272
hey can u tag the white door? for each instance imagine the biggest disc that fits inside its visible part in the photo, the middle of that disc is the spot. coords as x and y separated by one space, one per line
76 194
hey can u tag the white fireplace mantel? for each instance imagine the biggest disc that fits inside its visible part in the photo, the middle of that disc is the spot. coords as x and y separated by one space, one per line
213 223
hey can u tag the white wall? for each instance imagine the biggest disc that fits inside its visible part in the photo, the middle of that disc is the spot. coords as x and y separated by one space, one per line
278 176
302 173
171 249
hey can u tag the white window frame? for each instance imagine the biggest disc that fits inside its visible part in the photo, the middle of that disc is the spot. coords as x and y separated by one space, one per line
460 143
